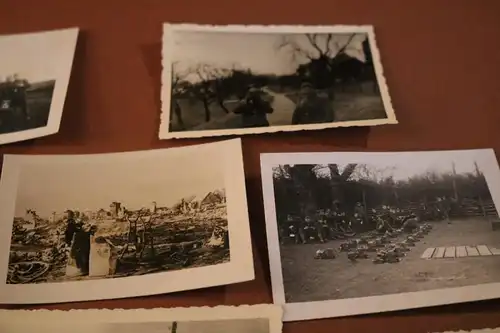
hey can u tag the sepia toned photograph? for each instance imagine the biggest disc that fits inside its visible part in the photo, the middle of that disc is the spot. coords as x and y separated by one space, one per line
263 318
369 228
34 73
110 216
223 80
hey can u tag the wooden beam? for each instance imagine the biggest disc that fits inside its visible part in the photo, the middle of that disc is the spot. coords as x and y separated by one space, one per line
428 253
439 253
461 252
472 251
449 252
483 250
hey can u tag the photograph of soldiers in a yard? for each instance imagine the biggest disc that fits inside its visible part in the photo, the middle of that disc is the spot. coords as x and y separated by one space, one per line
31 67
223 80
385 224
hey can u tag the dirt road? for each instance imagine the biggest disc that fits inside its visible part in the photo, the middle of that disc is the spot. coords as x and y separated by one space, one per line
307 279
283 109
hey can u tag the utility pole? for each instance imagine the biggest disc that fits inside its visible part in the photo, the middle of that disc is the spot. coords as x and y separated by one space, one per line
455 192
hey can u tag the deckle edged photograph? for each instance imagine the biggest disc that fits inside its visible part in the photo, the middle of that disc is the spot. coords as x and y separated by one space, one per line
356 233
34 73
151 221
263 318
223 80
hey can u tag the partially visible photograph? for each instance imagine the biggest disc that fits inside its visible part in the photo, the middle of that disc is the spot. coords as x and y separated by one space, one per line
256 79
34 73
264 318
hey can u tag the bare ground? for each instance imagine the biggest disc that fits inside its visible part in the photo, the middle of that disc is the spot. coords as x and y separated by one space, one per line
355 106
309 279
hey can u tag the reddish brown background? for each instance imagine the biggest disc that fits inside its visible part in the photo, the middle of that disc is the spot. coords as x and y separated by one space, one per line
442 64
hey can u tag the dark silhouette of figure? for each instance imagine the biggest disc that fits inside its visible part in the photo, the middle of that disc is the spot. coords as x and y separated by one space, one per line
178 113
20 97
254 109
312 108
78 239
13 104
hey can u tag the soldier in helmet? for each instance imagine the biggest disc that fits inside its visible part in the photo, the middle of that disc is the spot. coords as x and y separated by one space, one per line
312 108
19 97
254 109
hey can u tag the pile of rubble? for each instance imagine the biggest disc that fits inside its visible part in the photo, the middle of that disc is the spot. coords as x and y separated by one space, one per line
388 248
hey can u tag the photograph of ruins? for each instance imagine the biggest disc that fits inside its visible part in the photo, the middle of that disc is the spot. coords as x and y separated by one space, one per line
166 220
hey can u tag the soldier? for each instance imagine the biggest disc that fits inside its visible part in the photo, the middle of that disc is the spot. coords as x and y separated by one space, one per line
359 217
254 109
77 237
19 97
311 108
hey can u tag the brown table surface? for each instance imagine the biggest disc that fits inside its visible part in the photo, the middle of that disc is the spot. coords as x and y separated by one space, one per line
442 64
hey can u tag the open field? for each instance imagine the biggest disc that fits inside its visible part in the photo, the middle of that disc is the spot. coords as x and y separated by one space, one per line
308 279
179 241
39 102
193 115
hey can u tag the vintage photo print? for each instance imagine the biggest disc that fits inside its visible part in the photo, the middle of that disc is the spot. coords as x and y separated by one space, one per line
353 233
485 330
34 74
224 80
88 227
265 318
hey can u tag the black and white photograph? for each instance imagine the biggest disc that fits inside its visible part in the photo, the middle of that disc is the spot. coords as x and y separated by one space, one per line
353 233
265 318
225 80
111 216
34 74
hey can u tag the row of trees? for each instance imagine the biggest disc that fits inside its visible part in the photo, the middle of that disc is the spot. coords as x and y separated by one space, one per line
303 189
323 61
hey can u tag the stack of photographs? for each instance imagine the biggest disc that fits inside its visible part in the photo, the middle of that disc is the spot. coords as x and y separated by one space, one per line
347 233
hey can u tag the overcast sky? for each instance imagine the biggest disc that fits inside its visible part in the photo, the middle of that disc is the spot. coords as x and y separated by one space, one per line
35 57
256 51
404 165
136 182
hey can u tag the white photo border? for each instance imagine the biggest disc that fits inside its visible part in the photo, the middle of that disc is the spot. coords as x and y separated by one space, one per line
168 47
240 268
488 164
96 317
62 77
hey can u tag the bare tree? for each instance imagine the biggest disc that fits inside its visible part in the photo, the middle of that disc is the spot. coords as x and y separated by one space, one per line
338 179
324 47
210 86
323 54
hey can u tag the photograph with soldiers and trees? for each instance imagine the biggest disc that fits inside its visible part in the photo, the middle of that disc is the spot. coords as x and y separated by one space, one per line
268 80
386 224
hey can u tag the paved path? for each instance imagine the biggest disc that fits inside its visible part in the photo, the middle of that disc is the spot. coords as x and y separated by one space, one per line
283 109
